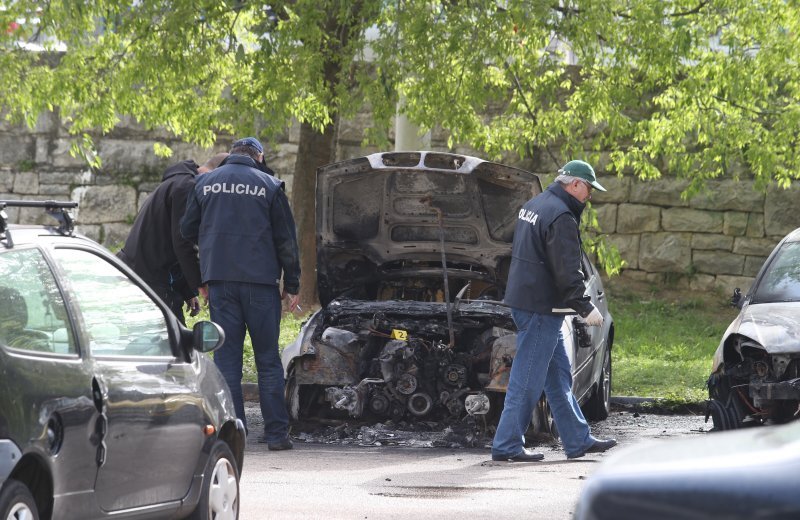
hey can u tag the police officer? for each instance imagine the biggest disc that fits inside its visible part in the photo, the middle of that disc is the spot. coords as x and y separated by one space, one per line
155 249
240 217
545 281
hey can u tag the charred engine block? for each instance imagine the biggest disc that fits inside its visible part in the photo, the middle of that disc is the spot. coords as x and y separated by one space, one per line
402 359
411 377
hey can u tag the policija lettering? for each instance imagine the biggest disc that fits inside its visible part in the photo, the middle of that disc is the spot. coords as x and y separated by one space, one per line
239 189
528 216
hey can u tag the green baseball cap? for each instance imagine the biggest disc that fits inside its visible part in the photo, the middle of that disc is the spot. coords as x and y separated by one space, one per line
581 170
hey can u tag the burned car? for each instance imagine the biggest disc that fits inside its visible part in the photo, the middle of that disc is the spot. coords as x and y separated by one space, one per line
413 256
756 371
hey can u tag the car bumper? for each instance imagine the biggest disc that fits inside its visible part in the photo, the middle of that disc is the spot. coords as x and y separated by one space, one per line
782 390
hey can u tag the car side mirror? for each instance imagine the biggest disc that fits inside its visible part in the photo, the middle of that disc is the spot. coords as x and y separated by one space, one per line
736 299
207 336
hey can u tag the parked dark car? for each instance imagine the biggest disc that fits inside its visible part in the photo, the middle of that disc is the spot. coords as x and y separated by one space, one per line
735 475
108 406
756 372
413 256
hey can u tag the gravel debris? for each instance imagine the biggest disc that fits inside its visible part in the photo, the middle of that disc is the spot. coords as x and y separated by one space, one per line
626 425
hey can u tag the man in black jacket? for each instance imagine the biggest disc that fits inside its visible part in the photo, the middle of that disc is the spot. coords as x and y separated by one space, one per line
545 282
240 217
155 249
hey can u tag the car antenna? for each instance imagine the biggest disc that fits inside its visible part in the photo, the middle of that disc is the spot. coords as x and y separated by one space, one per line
428 199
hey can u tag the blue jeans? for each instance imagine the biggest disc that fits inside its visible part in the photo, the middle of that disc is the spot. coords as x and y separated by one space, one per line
234 306
541 363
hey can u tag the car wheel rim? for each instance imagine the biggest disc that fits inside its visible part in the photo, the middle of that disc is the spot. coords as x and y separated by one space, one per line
223 503
20 512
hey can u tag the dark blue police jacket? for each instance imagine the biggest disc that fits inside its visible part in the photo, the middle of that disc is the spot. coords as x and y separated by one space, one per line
546 275
241 220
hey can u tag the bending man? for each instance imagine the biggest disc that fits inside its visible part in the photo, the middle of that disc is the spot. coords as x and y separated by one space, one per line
155 249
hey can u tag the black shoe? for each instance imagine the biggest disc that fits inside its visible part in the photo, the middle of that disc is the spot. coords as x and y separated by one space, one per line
285 444
599 446
523 456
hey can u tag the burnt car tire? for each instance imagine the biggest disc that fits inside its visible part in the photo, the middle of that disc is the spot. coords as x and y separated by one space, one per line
219 498
598 406
16 502
724 405
542 422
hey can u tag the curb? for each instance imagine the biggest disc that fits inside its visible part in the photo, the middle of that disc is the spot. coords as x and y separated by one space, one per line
630 400
655 405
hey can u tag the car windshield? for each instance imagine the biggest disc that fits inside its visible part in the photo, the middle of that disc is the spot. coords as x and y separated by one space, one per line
781 282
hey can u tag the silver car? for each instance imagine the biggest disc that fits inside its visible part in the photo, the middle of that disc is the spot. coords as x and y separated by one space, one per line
756 372
741 475
413 256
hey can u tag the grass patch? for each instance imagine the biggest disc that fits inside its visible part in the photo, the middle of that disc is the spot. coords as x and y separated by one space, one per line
664 341
290 328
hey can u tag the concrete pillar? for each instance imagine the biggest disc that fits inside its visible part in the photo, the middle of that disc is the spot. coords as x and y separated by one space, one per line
406 133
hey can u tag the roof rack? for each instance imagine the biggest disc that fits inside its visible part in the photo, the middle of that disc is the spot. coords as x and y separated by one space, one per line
54 208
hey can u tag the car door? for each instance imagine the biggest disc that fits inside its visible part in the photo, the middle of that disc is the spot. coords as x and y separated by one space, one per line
585 357
46 399
150 393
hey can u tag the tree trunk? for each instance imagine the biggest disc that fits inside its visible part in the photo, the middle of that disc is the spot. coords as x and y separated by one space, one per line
314 150
318 149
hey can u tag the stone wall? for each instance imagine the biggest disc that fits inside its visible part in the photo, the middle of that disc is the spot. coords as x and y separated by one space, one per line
716 240
37 165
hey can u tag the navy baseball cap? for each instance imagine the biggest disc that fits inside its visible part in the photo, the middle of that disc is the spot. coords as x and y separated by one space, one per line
252 142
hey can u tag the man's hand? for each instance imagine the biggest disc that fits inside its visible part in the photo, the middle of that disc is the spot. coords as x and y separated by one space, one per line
203 290
293 300
594 319
193 305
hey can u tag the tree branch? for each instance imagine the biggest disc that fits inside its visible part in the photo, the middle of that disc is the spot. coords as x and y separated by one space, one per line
572 11
690 12
518 87
762 113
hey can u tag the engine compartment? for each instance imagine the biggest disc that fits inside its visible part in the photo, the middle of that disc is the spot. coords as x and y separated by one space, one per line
754 387
394 359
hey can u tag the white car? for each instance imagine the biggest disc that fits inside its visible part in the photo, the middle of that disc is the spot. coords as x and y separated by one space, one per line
756 371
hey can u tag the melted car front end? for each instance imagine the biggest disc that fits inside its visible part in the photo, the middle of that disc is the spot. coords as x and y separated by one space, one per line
756 377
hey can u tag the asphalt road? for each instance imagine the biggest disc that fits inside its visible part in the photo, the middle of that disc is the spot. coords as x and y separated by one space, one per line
344 480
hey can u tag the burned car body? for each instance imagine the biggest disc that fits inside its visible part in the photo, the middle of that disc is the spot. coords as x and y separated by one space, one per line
756 377
413 256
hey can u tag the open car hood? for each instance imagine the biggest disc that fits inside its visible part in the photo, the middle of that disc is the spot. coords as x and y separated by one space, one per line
384 215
